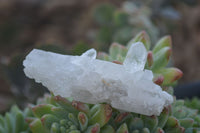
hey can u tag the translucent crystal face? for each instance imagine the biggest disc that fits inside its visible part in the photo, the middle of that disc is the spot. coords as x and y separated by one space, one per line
126 87
90 53
136 58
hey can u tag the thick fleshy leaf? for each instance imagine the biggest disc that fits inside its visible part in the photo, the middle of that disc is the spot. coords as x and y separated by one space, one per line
29 119
141 37
170 75
83 120
55 128
163 42
145 130
162 119
8 122
192 130
73 119
179 113
42 109
171 123
59 112
117 49
36 126
66 104
100 113
81 106
93 129
136 124
48 119
122 129
186 122
102 56
150 122
161 58
159 130
158 79
150 59
121 117
19 122
107 129
177 129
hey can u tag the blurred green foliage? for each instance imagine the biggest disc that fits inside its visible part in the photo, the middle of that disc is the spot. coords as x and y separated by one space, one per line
79 48
121 24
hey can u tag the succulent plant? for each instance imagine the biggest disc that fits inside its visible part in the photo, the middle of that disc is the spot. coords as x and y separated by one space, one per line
193 103
157 59
14 121
56 114
59 115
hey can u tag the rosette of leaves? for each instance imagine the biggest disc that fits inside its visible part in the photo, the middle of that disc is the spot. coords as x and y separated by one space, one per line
187 117
54 114
193 103
157 58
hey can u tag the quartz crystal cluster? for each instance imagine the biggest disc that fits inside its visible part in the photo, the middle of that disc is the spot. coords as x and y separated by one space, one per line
128 87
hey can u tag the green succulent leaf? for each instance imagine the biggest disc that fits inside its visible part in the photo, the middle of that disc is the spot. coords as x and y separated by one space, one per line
145 130
122 129
162 119
116 50
48 119
107 129
101 114
36 126
150 122
103 56
93 129
135 124
186 122
161 58
141 37
170 75
83 121
40 110
163 42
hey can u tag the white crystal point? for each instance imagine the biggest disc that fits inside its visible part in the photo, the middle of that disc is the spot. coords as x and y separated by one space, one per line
136 57
94 81
91 53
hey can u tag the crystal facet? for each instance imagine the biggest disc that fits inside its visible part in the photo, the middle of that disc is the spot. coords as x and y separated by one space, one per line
136 57
126 87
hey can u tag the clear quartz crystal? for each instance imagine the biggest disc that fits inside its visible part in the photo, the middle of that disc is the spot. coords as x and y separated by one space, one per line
136 57
126 87
90 53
